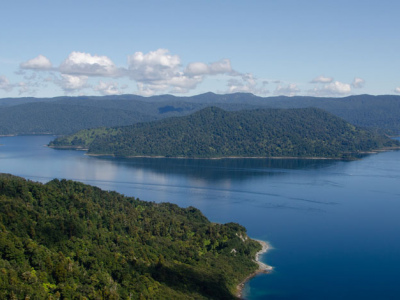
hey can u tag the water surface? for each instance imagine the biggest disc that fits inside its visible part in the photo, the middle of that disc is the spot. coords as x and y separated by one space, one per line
333 224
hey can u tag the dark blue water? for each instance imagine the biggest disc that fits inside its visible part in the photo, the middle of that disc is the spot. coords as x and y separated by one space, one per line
334 225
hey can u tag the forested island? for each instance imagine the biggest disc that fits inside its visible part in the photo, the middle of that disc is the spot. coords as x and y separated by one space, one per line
68 240
215 133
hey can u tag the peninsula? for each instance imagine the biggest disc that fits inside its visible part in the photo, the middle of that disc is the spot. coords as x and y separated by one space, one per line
65 239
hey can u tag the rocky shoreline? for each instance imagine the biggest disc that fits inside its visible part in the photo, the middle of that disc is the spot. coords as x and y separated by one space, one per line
262 268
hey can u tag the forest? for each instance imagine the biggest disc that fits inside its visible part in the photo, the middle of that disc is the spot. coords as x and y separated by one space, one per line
213 132
66 115
68 240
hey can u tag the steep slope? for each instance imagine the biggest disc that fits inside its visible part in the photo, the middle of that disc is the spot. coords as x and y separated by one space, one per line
67 240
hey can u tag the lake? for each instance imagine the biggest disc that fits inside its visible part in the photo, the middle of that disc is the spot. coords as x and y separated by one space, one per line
333 225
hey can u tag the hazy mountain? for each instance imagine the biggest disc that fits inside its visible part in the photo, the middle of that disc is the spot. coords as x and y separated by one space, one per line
41 115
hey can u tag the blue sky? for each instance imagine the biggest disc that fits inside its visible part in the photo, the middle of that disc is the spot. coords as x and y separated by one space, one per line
280 47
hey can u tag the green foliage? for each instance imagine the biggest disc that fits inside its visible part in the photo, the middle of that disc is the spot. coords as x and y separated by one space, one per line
66 115
83 138
57 118
67 240
212 132
376 112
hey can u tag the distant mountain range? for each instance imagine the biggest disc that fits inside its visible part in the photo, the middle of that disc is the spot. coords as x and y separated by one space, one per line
213 132
66 115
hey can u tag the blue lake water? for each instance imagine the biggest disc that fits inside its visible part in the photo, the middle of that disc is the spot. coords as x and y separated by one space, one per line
334 225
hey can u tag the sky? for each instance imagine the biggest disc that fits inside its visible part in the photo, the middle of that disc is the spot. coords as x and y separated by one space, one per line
188 47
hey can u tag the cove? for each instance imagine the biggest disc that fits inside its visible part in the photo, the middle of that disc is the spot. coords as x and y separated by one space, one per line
333 225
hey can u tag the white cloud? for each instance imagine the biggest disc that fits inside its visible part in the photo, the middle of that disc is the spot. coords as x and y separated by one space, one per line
80 63
249 79
23 88
38 63
154 72
397 90
322 79
70 83
220 67
247 84
108 88
358 83
336 88
27 88
184 82
198 68
5 84
150 89
289 90
237 86
153 66
159 71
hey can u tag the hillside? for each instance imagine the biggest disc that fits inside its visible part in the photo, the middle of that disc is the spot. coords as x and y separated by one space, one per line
65 115
213 132
68 240
50 118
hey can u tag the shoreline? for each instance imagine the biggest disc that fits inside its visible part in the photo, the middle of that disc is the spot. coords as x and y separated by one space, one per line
241 157
375 151
184 157
262 268
208 158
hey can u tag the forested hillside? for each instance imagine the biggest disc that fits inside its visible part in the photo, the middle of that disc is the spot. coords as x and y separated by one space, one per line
377 112
65 115
67 240
50 118
213 132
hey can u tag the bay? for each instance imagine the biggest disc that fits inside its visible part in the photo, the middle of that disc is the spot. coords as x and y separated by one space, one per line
333 225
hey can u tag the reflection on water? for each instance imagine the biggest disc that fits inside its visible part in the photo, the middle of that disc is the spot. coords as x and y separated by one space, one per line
220 169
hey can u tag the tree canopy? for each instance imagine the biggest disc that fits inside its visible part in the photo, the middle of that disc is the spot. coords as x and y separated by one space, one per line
213 132
66 115
68 240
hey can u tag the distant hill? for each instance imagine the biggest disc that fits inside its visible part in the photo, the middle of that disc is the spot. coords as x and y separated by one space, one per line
65 115
68 240
213 132
379 112
50 118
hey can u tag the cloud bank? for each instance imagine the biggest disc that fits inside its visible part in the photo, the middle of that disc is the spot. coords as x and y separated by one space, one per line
152 73
328 87
5 84
38 63
158 72
358 83
79 63
288 90
322 79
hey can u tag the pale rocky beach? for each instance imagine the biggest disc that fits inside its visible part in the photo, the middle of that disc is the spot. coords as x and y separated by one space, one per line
263 268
